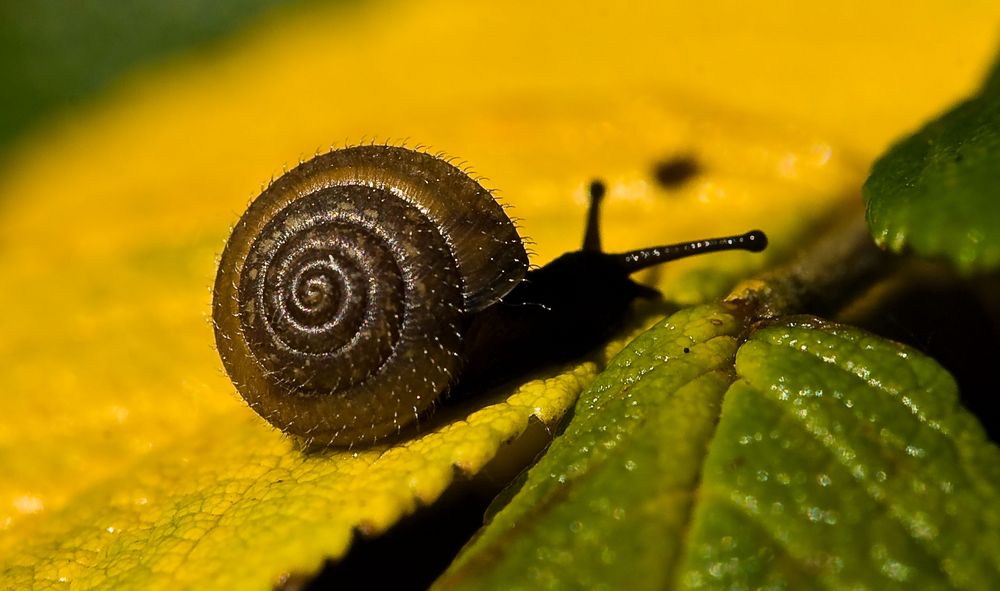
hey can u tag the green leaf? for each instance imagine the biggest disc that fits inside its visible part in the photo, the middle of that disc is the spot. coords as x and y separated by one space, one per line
935 191
838 460
845 459
608 503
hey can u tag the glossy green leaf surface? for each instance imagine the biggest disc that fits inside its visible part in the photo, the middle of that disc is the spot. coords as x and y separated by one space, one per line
843 460
935 191
611 498
838 460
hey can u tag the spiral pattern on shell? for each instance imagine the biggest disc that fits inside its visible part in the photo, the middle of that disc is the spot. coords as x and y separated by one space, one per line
343 293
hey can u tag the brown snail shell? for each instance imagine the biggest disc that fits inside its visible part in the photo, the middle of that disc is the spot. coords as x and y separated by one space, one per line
342 293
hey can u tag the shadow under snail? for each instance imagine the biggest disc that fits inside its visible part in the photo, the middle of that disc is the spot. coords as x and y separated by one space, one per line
365 283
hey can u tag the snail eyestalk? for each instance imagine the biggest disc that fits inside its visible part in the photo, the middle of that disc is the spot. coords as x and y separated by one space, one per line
636 260
592 235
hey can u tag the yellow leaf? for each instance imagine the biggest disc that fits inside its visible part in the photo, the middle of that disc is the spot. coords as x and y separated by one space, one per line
128 458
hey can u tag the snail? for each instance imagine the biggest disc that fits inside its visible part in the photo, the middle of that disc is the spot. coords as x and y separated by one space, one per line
365 283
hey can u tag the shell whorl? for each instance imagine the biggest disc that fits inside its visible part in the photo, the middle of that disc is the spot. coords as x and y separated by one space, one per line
344 290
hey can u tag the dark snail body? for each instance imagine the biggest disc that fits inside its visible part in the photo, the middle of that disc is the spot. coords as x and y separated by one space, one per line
359 287
565 309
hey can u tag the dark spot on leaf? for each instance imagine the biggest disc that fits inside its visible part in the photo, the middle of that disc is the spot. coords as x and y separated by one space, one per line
674 172
687 349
